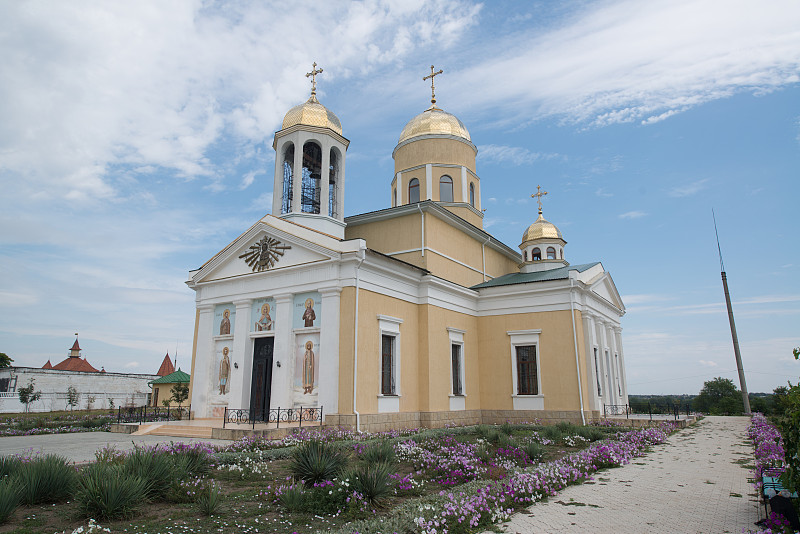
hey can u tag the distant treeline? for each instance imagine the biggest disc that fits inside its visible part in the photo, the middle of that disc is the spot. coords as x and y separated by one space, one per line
719 396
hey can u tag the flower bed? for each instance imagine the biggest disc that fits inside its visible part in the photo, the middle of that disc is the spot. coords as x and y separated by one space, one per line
56 423
768 448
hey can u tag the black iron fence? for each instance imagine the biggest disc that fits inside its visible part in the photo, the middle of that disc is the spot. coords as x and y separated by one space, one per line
673 410
149 414
274 415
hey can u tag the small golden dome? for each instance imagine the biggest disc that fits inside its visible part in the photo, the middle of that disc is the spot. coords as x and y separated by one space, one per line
312 113
541 229
434 121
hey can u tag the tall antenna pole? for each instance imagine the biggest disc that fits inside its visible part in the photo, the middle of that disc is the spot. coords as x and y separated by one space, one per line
742 383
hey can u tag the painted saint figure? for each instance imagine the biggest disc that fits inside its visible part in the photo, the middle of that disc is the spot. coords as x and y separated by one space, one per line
265 321
224 371
309 315
308 368
225 324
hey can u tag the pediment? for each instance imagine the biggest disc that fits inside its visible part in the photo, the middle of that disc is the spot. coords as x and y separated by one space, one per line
262 249
604 287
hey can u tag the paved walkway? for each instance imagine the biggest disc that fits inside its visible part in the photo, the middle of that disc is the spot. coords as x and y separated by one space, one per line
80 447
694 483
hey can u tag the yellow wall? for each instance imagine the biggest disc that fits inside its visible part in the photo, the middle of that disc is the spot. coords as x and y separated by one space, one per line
423 151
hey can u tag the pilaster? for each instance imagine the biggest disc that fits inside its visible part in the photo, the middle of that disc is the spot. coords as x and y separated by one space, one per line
329 359
204 358
242 348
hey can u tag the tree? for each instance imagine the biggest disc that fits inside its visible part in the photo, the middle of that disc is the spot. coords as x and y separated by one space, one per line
180 392
27 395
5 360
789 425
73 397
719 397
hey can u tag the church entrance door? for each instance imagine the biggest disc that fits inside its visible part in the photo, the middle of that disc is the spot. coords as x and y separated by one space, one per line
261 387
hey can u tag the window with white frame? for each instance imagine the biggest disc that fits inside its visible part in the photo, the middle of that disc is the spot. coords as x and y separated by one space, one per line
597 374
389 357
525 369
457 376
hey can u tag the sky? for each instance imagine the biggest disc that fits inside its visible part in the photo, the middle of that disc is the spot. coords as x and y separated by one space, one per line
136 142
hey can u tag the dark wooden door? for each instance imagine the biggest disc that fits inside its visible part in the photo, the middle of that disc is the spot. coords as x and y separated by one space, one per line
262 378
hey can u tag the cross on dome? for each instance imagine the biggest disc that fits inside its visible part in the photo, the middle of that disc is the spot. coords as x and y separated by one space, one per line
538 196
431 76
313 76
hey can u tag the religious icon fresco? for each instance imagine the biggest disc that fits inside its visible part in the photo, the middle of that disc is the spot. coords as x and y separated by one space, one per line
307 310
224 315
224 372
263 314
307 355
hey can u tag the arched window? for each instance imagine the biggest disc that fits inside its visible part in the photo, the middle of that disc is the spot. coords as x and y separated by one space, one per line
551 253
288 164
312 170
561 253
536 254
333 176
472 195
525 255
445 189
413 191
394 197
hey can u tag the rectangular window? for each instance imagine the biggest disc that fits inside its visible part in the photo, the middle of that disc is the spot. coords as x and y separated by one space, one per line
458 388
527 381
387 365
597 374
155 397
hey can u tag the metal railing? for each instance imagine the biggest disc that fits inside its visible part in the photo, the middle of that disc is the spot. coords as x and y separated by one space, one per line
273 415
673 410
147 414
616 409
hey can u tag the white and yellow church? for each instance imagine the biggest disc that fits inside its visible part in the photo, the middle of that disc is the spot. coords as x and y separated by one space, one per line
410 316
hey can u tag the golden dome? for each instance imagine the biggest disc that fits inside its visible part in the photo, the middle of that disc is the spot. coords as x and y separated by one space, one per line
542 229
434 121
312 113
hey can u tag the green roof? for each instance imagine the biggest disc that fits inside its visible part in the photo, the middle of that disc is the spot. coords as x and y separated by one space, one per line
173 378
561 273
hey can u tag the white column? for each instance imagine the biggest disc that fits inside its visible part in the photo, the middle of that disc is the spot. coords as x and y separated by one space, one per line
297 173
329 355
203 357
464 186
340 183
428 182
283 352
612 350
325 178
601 351
588 343
622 376
277 188
400 189
242 352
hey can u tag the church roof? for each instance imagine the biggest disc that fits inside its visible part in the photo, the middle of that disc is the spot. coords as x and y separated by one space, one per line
166 367
75 345
542 229
561 273
178 377
312 113
74 363
48 365
434 121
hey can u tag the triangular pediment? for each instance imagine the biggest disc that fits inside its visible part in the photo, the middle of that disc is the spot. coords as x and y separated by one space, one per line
604 287
265 248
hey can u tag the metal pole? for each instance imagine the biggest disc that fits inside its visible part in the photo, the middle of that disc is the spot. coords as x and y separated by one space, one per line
742 383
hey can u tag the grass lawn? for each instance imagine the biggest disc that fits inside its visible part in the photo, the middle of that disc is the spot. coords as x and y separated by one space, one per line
465 479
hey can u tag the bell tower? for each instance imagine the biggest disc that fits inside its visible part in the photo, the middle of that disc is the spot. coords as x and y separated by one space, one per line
309 166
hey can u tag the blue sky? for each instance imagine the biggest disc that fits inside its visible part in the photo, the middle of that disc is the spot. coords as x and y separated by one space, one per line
136 141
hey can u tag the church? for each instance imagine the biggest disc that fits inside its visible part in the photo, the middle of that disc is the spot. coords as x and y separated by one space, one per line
409 316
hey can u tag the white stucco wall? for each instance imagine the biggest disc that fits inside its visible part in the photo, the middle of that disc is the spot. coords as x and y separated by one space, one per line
126 389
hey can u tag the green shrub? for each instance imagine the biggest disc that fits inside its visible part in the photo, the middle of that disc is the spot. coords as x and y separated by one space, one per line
535 451
372 481
590 433
209 500
9 465
552 433
293 499
314 461
157 469
192 462
482 431
106 491
47 479
381 452
109 455
506 428
504 441
9 500
566 427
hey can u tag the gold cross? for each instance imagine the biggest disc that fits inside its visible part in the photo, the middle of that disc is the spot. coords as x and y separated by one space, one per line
432 75
313 76
538 196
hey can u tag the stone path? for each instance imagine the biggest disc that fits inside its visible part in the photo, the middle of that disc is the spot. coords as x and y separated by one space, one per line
80 447
696 482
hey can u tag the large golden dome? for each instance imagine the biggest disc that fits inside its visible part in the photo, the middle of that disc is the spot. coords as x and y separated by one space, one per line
541 229
312 113
434 121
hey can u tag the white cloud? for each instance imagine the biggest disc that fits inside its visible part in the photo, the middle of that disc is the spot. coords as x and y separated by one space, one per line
603 193
513 155
632 215
639 61
705 363
131 365
688 189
